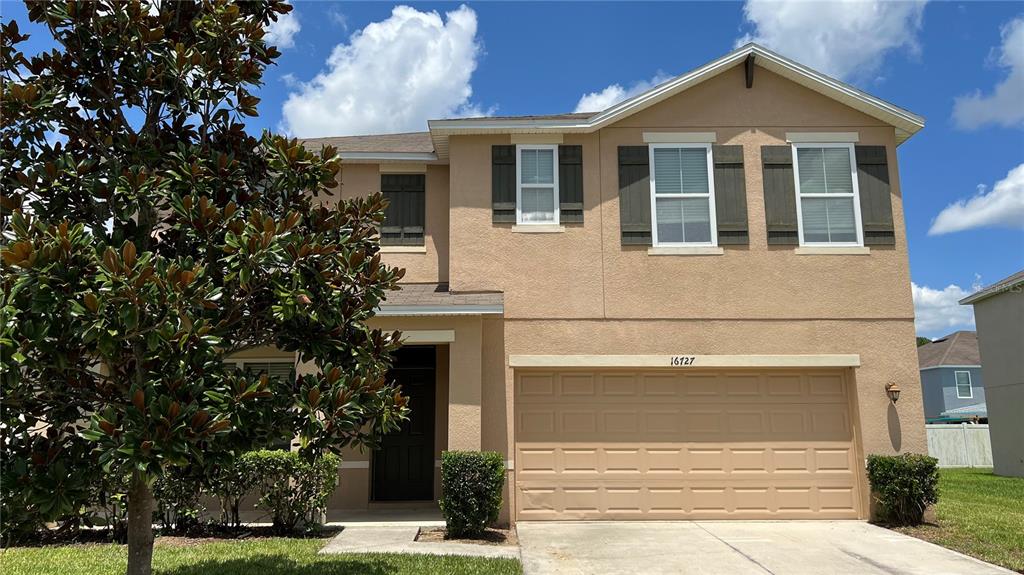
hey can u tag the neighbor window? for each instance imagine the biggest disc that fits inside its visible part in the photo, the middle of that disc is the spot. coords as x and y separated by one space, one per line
536 185
406 211
682 195
827 197
963 385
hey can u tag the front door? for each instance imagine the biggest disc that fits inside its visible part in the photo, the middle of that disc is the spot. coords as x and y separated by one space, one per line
403 467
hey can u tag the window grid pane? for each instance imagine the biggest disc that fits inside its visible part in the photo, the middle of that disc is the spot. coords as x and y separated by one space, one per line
828 220
538 204
683 220
680 171
538 167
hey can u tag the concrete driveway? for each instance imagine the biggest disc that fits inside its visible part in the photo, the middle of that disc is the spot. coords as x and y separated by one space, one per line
734 548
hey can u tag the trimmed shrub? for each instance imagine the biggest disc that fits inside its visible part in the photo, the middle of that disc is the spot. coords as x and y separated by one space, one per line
177 495
292 488
903 485
231 483
471 484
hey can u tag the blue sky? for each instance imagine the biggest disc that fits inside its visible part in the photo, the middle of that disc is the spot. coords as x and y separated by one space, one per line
377 67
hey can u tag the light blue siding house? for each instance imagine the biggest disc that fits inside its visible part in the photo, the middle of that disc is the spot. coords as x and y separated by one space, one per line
951 383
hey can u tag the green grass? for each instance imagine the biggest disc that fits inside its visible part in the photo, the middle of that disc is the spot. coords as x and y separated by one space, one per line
254 557
979 514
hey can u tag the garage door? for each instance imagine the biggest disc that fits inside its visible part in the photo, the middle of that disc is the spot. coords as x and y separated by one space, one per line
684 445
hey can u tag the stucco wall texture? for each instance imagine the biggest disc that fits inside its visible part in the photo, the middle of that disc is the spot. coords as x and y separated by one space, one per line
581 292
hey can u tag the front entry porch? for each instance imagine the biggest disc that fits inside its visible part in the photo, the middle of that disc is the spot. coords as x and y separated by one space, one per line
440 368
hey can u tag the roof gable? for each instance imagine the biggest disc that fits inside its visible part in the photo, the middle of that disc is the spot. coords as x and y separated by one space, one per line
905 122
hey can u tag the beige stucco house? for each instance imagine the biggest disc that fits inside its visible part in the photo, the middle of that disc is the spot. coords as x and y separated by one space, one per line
687 305
999 314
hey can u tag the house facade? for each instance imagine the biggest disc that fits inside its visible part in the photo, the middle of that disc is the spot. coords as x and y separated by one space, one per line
685 306
999 314
951 382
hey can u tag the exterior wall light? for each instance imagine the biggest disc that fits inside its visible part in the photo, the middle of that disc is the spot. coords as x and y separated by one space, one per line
893 391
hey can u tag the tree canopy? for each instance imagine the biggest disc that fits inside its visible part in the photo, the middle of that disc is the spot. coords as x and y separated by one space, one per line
147 237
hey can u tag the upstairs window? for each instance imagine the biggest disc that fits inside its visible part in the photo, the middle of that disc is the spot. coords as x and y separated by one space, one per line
682 195
828 205
963 385
406 211
536 184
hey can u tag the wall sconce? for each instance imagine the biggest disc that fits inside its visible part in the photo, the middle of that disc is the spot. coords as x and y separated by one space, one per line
893 391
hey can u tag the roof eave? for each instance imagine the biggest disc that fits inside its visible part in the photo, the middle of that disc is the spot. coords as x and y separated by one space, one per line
994 290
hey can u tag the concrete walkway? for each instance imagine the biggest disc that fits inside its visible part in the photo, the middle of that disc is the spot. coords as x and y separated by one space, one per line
734 547
402 539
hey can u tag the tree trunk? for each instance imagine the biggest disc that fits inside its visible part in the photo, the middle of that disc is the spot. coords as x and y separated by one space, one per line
140 527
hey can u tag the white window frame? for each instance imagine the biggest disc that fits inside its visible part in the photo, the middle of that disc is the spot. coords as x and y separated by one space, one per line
519 183
970 386
710 195
856 195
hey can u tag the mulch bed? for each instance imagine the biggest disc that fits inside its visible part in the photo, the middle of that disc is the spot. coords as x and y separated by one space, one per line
489 537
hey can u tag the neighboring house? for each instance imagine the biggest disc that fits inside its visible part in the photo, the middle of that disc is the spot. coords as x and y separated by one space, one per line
951 384
687 305
999 316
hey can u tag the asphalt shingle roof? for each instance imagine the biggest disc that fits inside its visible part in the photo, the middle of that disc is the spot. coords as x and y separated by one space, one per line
418 142
438 294
957 348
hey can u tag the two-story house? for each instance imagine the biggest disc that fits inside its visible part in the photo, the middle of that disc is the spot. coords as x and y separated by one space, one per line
688 305
951 386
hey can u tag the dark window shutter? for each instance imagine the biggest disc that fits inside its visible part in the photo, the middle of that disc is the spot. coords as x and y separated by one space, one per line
503 184
779 195
406 212
635 195
730 195
875 198
570 184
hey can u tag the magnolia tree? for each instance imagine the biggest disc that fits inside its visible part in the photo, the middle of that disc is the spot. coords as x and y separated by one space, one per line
147 236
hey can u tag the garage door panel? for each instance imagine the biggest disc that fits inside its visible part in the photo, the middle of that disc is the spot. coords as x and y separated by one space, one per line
749 422
698 459
624 500
665 445
694 387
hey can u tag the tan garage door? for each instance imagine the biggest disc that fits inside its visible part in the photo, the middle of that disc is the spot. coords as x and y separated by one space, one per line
684 445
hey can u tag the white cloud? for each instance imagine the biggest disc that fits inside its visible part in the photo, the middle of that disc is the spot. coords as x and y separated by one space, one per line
1005 105
845 39
1003 206
938 312
282 33
615 93
392 76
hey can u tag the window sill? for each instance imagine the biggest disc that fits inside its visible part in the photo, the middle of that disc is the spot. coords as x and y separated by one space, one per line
403 249
685 251
538 229
832 251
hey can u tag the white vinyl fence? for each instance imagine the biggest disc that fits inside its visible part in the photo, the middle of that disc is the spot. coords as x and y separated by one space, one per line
959 445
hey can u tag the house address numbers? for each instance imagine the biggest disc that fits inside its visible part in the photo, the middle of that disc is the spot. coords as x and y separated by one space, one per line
682 360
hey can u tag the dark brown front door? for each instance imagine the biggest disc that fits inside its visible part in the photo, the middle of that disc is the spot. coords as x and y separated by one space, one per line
403 467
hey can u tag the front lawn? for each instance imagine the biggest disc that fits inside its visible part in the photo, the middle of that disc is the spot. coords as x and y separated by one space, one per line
979 514
282 556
